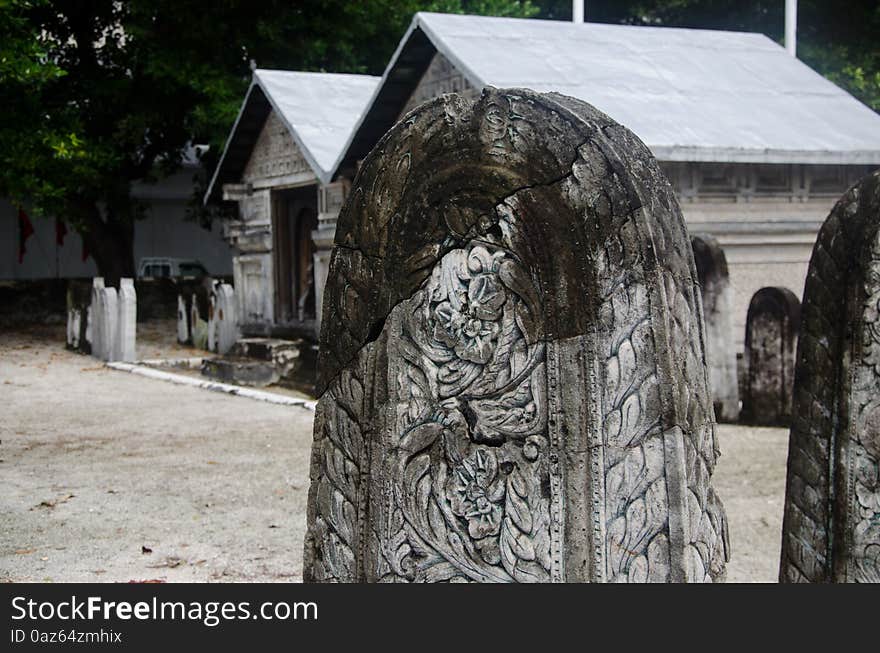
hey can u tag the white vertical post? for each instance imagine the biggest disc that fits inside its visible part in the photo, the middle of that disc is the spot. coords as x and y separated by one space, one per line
182 321
93 326
577 11
109 321
791 27
126 326
198 326
212 317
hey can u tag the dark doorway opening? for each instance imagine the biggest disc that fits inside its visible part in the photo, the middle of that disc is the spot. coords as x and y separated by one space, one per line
294 217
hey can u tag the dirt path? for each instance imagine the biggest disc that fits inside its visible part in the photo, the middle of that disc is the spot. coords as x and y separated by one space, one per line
99 466
108 476
750 479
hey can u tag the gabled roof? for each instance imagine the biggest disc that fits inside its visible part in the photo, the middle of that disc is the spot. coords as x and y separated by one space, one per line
690 95
319 110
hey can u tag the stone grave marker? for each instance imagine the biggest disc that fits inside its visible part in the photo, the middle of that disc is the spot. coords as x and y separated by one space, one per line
96 302
717 297
512 380
126 323
772 326
212 317
78 298
199 315
108 321
183 335
831 527
223 315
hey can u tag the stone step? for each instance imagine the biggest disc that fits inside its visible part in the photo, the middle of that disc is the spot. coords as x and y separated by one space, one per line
266 349
293 363
240 371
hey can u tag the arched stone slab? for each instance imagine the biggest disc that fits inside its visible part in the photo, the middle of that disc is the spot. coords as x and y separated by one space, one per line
772 327
718 310
831 528
226 329
512 382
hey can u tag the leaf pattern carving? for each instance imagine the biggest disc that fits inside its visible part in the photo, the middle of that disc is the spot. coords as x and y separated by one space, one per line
472 464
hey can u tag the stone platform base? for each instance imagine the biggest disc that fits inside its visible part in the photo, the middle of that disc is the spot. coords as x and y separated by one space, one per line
259 362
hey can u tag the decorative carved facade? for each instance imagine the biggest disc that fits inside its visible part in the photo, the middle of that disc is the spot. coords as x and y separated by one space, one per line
276 163
275 154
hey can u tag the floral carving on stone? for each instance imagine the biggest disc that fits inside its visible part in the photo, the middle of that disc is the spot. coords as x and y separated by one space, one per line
473 482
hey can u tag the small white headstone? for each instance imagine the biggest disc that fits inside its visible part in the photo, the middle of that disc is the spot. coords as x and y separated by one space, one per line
93 328
74 319
182 321
212 317
126 333
108 320
199 326
224 317
89 328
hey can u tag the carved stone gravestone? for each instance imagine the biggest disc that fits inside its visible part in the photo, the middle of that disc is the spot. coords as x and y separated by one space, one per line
512 378
717 298
831 528
771 338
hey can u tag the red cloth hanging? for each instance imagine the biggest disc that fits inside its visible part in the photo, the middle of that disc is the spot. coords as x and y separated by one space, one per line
60 232
25 231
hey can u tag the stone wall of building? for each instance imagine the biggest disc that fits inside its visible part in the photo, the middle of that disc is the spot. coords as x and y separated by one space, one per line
765 218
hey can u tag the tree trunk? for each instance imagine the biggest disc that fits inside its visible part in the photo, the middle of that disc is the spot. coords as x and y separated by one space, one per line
110 242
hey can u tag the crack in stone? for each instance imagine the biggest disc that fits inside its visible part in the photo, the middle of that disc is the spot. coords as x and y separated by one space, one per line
378 326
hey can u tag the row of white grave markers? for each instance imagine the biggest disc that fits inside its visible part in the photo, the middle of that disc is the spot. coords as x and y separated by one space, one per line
111 326
219 332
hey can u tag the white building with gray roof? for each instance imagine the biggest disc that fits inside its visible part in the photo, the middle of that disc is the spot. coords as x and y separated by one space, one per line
757 145
289 133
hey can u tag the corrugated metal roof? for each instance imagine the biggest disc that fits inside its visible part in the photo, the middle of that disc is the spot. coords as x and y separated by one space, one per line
690 95
319 110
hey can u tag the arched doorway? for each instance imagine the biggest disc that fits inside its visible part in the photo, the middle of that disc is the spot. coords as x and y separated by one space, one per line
772 327
295 217
715 288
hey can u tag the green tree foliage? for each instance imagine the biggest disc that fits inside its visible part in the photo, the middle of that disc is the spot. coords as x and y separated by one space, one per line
98 94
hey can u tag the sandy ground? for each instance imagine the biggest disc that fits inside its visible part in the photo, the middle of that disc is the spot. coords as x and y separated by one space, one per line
109 476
